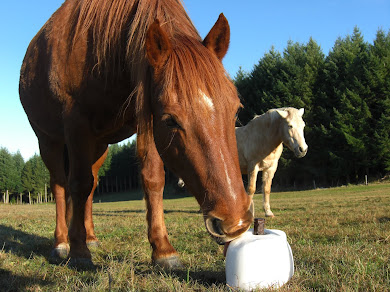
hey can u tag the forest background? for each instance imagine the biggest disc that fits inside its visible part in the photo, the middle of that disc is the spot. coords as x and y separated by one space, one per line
346 97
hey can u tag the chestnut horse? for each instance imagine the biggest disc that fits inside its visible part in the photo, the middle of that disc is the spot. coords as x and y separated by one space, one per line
260 145
99 71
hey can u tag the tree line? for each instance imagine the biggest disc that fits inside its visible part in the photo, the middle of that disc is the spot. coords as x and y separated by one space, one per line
20 177
346 96
120 172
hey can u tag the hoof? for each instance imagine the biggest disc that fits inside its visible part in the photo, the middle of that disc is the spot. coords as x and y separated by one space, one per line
81 263
270 215
93 244
61 251
169 263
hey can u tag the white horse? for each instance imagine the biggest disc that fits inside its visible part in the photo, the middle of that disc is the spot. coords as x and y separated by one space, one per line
260 145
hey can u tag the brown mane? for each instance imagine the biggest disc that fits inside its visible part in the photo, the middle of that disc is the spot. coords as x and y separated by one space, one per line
118 29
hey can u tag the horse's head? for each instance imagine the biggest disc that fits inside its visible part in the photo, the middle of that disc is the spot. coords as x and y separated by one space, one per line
194 105
292 130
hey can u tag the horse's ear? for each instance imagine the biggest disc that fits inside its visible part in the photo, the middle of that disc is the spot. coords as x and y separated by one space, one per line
282 113
158 45
301 111
218 38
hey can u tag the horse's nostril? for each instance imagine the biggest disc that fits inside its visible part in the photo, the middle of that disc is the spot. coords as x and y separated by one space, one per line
214 226
217 227
301 149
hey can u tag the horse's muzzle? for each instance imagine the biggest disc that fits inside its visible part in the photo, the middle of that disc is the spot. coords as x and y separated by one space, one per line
226 230
300 151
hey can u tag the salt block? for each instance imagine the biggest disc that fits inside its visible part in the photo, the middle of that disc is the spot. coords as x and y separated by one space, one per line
259 261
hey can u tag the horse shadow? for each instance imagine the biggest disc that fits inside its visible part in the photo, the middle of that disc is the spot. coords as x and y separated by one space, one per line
28 245
24 244
206 277
124 213
9 281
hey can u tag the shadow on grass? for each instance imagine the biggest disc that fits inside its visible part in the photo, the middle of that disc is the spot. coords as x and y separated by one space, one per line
384 219
170 192
24 244
205 278
116 213
27 245
10 282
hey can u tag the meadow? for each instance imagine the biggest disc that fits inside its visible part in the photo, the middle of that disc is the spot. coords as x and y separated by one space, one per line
340 239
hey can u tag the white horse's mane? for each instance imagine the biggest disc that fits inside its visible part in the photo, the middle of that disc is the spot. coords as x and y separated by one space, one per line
273 114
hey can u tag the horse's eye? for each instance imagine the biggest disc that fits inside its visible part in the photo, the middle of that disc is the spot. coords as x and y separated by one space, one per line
290 126
171 122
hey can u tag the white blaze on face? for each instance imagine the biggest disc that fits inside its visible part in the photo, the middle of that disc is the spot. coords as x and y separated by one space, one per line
228 180
207 101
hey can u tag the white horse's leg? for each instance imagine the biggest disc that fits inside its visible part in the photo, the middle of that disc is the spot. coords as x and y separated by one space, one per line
268 175
252 178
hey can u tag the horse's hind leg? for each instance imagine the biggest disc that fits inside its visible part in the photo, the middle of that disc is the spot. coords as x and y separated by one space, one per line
52 153
153 180
253 170
92 240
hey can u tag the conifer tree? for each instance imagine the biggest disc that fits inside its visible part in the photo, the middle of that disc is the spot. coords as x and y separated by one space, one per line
19 164
379 101
8 172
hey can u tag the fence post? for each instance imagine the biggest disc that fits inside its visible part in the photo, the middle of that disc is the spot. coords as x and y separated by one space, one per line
29 198
7 197
366 179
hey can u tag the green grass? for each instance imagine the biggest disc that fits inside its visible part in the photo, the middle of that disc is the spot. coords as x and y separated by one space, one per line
340 239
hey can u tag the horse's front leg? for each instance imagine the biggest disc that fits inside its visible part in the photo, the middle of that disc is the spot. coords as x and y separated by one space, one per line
268 175
252 170
153 180
52 153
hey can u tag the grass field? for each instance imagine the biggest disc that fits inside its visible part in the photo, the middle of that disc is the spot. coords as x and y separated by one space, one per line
340 240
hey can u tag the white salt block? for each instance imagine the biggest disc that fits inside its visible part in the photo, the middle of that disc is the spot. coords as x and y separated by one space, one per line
259 261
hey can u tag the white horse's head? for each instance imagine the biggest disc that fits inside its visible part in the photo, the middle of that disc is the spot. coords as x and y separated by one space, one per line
292 130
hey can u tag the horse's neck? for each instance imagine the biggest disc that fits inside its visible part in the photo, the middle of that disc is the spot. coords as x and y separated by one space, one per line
267 132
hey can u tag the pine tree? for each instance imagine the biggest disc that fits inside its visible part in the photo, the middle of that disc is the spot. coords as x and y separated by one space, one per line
19 164
35 175
257 90
8 172
27 177
379 102
344 99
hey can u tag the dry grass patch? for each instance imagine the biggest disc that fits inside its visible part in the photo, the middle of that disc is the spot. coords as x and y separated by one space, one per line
339 237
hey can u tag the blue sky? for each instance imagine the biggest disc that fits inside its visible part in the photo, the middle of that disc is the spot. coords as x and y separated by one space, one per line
256 26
